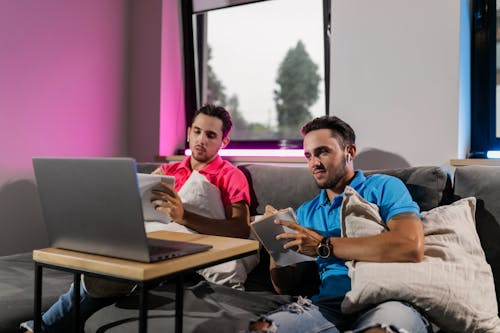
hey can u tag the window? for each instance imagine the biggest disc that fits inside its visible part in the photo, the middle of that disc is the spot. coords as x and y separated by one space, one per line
267 62
485 120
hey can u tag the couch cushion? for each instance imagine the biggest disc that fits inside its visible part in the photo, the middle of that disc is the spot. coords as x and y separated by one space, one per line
483 182
428 186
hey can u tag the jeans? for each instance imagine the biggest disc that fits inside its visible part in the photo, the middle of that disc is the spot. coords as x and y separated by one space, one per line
59 317
325 316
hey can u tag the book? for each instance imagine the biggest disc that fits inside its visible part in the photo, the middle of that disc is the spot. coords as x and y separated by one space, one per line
266 231
147 183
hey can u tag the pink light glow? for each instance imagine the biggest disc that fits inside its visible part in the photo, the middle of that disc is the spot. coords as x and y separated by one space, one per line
257 152
172 120
62 82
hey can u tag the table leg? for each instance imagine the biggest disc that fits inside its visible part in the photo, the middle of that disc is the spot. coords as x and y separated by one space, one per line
143 308
37 315
179 303
76 302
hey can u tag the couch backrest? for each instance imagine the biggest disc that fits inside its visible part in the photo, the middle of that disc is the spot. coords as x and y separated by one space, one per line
483 182
289 186
144 167
279 186
429 186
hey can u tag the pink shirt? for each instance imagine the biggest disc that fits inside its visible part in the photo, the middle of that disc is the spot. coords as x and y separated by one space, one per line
230 180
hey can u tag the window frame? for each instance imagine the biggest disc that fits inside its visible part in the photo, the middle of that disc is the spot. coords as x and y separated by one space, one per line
194 57
483 79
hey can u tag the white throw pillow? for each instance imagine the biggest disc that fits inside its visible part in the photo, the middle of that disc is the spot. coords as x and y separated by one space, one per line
201 197
453 285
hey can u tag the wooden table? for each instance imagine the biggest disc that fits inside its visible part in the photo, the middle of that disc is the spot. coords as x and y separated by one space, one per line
146 275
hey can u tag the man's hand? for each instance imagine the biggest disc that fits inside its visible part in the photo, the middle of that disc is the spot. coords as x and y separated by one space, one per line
306 240
158 171
269 210
170 203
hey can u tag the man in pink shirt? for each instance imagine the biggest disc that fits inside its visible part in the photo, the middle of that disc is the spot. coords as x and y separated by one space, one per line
207 134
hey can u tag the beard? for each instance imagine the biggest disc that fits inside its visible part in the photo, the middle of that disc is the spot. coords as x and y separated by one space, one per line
203 155
199 153
336 176
200 157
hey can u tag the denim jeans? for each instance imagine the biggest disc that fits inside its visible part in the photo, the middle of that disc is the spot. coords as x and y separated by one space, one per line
59 317
325 316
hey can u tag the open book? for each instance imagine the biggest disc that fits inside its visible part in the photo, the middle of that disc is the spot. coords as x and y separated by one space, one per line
148 183
266 231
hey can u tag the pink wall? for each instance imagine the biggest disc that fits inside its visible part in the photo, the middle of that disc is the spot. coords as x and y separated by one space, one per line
62 81
63 92
82 78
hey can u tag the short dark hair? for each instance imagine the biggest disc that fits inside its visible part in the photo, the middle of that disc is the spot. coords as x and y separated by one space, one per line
218 112
341 130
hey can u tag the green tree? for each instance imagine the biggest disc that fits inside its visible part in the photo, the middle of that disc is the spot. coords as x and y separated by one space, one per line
215 88
240 125
298 89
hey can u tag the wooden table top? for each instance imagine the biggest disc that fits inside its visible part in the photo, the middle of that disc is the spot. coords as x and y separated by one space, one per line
223 247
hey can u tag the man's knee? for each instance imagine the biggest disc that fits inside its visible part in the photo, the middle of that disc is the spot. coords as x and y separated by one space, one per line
391 316
375 330
262 325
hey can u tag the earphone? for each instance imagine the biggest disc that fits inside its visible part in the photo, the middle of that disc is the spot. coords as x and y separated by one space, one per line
348 157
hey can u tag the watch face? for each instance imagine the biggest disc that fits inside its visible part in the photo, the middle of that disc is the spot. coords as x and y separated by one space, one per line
323 251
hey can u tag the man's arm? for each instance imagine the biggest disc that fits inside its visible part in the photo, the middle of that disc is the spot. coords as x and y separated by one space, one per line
236 223
297 279
404 242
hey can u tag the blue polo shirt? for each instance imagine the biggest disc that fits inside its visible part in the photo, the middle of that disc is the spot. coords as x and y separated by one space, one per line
387 192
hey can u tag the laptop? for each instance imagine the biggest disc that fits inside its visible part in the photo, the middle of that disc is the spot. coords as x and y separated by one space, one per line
93 205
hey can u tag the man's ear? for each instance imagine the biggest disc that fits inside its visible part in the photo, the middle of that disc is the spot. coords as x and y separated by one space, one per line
351 150
225 142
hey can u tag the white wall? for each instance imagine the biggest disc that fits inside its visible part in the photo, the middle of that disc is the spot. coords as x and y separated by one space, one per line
399 79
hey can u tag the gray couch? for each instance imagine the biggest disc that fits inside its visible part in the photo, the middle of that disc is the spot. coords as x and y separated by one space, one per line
213 308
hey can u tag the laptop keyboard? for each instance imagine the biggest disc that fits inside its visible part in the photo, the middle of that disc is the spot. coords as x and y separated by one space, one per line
155 249
166 249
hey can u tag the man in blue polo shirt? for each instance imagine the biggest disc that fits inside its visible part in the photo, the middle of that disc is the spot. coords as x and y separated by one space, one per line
329 148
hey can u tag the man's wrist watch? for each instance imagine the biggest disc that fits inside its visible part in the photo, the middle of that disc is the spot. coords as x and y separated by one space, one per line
325 248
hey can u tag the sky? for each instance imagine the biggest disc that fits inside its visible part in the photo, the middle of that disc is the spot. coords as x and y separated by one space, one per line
249 42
